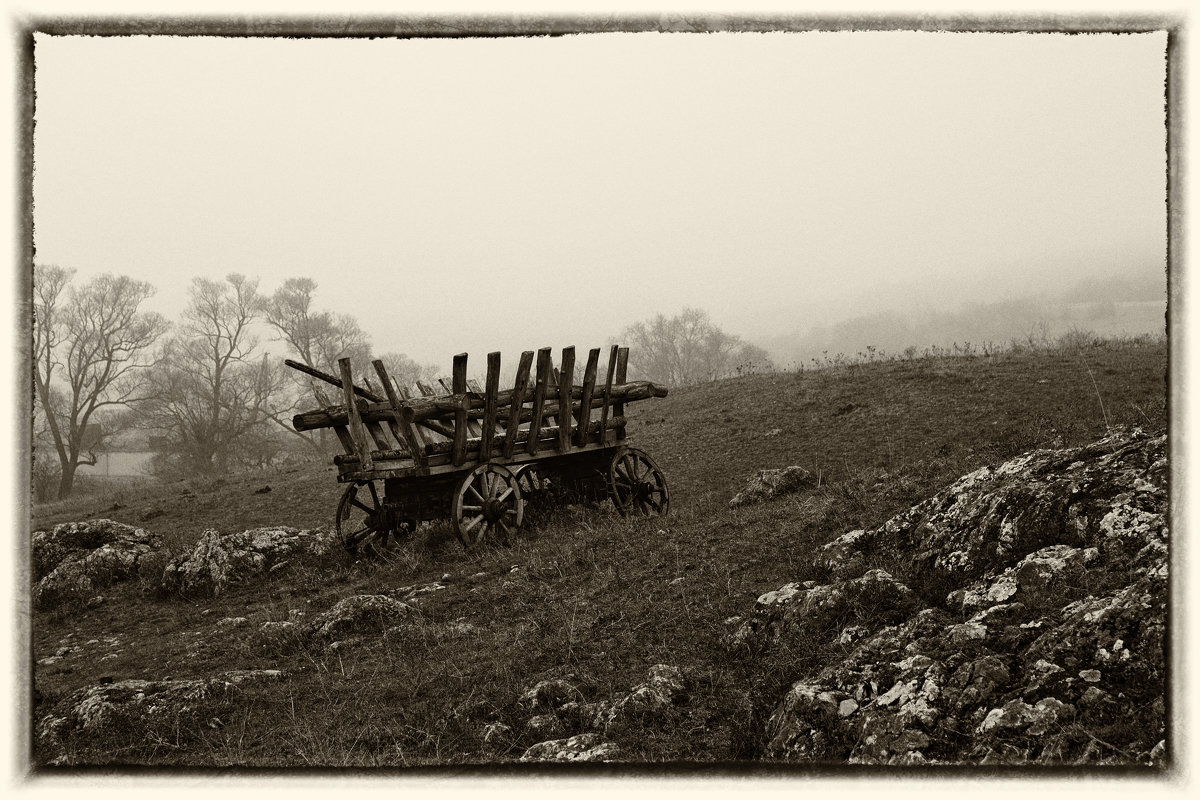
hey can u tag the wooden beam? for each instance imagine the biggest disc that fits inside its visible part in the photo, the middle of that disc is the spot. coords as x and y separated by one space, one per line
361 447
459 452
619 377
566 376
325 376
402 417
585 399
539 398
607 395
515 403
487 432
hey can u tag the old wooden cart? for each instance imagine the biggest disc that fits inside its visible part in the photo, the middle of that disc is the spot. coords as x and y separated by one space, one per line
473 456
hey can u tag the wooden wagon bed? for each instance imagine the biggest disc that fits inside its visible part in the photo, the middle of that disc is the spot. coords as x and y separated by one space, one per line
471 453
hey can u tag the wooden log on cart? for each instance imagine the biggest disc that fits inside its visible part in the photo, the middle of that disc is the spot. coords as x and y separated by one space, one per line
585 399
406 431
606 398
544 368
428 409
361 448
488 431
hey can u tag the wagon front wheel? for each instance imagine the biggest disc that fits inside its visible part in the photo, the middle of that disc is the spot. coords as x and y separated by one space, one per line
363 523
636 484
487 506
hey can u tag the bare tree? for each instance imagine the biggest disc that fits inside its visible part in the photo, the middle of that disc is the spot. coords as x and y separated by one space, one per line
212 398
688 348
90 347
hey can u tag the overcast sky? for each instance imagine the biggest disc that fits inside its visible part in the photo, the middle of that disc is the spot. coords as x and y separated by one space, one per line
480 194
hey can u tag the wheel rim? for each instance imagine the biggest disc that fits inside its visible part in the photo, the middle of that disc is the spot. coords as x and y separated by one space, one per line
362 522
531 482
636 484
487 506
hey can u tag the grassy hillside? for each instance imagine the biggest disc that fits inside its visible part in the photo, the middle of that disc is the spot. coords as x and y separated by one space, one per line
583 592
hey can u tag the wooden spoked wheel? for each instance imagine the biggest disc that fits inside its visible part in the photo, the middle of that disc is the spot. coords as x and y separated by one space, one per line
487 506
531 482
636 484
363 522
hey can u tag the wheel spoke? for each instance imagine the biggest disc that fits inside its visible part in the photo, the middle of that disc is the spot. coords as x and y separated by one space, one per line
507 491
472 509
363 506
656 505
478 496
473 523
374 496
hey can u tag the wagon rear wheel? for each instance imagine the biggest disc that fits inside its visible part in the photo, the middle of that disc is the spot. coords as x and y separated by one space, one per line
363 523
487 506
636 484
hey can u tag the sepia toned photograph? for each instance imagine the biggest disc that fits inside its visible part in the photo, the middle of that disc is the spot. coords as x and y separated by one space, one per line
599 395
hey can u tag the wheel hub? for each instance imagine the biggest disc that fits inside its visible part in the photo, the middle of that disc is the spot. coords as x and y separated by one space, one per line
493 510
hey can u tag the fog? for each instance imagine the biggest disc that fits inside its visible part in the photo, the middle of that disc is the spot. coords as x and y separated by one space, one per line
507 194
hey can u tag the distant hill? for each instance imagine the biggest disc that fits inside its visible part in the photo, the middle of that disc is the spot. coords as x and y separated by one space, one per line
1113 306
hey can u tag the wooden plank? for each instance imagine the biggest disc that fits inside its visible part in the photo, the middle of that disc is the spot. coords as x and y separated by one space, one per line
382 442
359 436
544 366
403 418
585 399
459 453
316 373
513 425
425 389
488 430
345 438
566 375
619 377
606 397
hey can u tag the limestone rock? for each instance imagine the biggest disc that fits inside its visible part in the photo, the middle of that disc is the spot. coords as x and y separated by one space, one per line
1052 639
219 560
76 558
584 747
769 483
357 614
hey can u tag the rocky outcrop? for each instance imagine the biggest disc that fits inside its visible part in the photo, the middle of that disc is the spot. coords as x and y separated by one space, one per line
360 613
135 704
76 558
219 560
769 483
1029 626
563 708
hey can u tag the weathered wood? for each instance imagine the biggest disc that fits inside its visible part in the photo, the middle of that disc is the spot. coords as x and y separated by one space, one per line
361 447
567 374
488 429
607 395
622 368
584 417
425 389
459 453
427 409
344 437
325 376
516 403
539 397
548 436
382 442
402 418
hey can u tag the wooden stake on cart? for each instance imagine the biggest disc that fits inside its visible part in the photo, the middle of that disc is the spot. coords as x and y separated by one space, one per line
539 399
459 453
566 375
487 433
362 449
608 382
585 399
518 400
404 424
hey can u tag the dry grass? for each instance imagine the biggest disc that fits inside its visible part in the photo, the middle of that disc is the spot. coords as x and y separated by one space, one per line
583 591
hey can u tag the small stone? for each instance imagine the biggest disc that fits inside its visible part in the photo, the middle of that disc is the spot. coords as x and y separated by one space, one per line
1090 675
847 707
